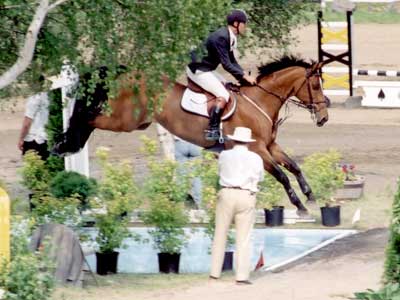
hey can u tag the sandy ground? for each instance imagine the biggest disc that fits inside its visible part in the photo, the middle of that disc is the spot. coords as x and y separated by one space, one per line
366 137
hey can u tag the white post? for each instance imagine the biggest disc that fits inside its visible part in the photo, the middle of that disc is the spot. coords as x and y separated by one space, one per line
78 162
166 141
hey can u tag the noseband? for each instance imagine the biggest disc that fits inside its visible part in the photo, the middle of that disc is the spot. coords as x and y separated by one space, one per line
312 106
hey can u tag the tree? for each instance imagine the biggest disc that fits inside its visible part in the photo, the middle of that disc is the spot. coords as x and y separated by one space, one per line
152 37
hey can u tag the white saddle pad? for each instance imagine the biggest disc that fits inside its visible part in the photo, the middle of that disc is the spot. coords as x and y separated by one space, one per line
194 102
197 103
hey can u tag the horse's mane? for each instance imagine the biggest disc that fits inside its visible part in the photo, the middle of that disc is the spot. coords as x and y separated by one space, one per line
282 63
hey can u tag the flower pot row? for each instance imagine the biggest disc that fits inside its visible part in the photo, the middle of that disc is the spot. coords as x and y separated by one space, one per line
330 216
168 263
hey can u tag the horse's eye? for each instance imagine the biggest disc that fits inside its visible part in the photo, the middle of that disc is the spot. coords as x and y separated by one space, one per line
316 85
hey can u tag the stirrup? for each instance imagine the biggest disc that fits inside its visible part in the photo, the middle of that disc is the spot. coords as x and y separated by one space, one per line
212 135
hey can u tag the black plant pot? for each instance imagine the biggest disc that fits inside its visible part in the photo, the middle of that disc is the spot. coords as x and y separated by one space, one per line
168 263
107 263
228 261
274 217
330 215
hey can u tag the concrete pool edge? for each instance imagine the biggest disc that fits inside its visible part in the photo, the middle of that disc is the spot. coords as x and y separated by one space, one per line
280 266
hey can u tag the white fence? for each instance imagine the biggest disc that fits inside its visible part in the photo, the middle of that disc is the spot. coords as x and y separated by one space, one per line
67 81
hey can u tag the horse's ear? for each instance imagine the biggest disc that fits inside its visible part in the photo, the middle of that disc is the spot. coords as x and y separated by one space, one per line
318 66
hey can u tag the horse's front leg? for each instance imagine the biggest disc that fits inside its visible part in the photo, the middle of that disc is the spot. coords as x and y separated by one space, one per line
284 160
272 167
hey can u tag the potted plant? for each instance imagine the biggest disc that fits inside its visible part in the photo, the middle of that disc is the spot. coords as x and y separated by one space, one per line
165 189
353 185
325 177
207 170
271 192
117 195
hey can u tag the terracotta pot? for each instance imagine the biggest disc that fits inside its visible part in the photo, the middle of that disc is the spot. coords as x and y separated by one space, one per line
352 189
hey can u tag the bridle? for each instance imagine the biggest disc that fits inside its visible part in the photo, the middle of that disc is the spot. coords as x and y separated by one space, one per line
312 106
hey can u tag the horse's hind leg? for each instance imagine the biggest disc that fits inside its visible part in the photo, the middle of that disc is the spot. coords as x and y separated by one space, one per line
284 160
272 167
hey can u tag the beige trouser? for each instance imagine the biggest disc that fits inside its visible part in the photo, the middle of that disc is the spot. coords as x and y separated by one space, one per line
210 81
237 205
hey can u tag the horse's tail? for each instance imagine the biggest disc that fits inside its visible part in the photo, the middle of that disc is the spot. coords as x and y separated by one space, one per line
86 109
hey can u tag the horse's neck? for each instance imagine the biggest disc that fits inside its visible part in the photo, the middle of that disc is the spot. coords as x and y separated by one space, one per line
282 85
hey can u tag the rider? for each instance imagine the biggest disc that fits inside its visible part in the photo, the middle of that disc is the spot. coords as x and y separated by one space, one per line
220 45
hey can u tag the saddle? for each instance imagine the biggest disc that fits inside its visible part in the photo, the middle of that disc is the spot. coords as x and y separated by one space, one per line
212 99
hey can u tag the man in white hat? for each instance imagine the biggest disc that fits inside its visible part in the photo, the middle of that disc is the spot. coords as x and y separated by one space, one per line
240 171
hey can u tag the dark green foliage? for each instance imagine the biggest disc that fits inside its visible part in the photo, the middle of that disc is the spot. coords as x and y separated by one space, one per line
389 292
392 263
54 130
391 276
54 127
137 34
67 183
54 164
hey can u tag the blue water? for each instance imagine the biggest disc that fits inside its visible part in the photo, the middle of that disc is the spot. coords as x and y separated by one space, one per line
278 245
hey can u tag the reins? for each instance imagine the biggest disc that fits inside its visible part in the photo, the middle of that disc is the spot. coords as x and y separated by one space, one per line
311 107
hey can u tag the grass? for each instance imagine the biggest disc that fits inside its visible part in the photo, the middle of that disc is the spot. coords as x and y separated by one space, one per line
368 13
125 286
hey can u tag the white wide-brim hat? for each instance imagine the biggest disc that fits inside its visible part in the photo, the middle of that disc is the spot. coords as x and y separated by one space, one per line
242 134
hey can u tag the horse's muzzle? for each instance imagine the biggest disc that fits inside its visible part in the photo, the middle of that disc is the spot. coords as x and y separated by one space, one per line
322 121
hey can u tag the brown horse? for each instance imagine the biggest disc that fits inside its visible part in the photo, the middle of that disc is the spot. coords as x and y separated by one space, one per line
257 108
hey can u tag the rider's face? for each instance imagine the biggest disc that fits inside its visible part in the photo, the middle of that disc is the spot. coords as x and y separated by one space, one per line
242 28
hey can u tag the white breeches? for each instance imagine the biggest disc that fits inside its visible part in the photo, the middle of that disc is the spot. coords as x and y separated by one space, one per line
210 81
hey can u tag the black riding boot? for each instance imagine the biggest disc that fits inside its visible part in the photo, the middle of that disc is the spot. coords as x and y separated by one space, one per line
212 133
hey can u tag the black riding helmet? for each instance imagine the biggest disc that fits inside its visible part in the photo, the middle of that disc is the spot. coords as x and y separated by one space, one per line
236 15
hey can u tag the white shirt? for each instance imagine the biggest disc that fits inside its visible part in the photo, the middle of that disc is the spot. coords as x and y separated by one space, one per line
240 168
232 39
37 109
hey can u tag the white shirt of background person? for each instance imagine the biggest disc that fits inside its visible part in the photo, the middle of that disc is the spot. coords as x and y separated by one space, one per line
37 110
240 168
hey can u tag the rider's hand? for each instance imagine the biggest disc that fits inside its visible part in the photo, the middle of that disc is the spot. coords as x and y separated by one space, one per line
250 79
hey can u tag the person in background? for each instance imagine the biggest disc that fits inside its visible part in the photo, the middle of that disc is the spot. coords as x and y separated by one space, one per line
33 133
185 151
240 171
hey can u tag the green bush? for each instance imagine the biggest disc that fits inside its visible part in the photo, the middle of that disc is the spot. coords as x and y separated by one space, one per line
165 189
49 209
392 262
35 175
169 219
324 174
28 275
112 232
67 183
117 187
271 192
117 196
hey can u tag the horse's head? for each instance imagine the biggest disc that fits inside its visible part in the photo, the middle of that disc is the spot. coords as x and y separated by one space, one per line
291 76
309 91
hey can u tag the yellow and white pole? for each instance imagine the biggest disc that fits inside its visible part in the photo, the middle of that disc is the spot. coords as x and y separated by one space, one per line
4 225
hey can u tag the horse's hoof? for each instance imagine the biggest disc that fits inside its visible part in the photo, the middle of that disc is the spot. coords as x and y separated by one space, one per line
311 203
303 214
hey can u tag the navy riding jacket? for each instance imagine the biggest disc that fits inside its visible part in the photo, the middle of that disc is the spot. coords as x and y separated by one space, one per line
218 47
